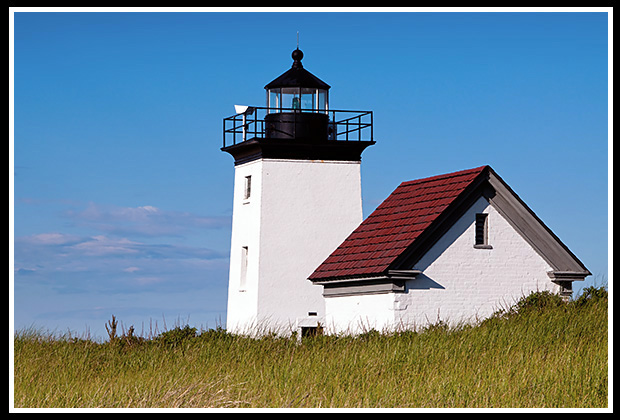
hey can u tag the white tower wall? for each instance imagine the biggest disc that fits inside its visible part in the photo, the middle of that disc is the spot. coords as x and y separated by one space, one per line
297 213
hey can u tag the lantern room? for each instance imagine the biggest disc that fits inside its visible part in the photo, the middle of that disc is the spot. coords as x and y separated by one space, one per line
297 90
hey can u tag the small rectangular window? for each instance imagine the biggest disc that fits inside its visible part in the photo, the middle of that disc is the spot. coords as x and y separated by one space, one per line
248 187
482 231
244 268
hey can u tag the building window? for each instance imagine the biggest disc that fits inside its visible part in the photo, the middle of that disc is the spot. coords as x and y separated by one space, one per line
482 231
244 269
248 187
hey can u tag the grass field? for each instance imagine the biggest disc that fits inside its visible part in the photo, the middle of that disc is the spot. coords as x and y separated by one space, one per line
540 353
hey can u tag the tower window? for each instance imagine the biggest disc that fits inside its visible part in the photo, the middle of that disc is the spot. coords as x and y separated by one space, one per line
244 269
248 187
482 231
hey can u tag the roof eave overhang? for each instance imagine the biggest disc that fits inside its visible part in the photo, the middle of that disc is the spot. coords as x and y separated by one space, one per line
560 276
391 281
297 77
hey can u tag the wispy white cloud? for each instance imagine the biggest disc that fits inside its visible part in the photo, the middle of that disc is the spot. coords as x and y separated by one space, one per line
73 246
144 220
52 238
101 245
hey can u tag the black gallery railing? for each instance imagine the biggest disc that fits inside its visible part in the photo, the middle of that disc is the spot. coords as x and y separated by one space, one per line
342 125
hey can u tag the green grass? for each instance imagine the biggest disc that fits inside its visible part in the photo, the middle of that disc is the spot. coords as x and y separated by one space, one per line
540 353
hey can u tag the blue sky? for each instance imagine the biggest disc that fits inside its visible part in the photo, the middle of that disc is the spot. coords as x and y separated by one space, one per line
122 200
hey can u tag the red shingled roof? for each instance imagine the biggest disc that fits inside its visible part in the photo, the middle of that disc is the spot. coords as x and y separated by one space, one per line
394 226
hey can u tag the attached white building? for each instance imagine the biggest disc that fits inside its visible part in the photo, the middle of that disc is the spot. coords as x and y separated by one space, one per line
452 247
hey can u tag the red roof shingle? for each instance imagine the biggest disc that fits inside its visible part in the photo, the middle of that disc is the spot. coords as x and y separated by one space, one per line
394 225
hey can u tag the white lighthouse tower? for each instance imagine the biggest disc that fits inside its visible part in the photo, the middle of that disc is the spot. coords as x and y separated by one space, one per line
297 196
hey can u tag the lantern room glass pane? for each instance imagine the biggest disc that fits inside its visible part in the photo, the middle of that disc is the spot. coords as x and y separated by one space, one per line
308 103
290 99
322 100
273 100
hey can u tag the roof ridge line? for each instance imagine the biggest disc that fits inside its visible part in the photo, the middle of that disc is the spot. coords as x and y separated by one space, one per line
445 176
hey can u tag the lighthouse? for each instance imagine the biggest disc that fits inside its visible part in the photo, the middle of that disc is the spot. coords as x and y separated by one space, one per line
296 197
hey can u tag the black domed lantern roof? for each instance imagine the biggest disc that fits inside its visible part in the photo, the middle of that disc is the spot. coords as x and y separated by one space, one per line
297 76
297 89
